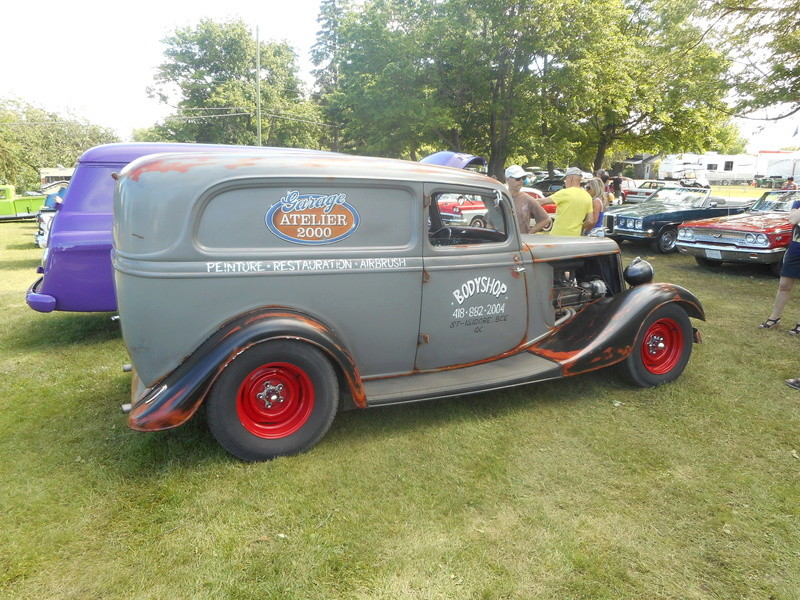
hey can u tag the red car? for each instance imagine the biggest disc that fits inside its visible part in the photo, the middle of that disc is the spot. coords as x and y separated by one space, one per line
759 235
465 210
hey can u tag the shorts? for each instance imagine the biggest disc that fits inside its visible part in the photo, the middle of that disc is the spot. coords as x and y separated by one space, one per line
791 261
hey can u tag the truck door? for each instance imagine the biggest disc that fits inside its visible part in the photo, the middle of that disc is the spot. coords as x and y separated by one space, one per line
474 301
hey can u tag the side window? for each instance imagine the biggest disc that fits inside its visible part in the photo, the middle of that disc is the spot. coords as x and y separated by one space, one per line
458 219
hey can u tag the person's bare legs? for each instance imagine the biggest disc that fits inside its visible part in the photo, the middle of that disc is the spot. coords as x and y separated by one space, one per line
782 297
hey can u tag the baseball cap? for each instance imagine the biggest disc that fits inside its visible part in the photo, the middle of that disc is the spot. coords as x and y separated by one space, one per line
515 171
573 171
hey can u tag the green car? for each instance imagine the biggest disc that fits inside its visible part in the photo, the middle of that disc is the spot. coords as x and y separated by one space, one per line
19 207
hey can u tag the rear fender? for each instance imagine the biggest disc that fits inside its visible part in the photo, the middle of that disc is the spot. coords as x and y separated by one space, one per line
172 400
604 332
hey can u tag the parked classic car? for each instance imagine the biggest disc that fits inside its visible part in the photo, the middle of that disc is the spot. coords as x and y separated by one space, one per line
283 280
76 271
759 235
656 220
460 209
645 189
548 186
24 206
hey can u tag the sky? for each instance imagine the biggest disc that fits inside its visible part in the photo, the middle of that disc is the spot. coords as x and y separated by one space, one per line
95 59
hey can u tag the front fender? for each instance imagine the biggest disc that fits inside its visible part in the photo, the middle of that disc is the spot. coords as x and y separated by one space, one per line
604 332
172 400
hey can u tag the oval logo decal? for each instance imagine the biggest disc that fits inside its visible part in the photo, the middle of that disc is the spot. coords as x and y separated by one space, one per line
312 218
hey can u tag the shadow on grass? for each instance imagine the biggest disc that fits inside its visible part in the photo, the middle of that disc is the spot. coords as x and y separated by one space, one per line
63 329
145 455
30 264
23 245
384 421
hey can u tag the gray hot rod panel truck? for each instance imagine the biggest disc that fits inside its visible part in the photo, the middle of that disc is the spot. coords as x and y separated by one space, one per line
278 288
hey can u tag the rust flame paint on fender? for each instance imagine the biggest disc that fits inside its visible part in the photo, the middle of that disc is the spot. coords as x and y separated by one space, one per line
603 333
171 401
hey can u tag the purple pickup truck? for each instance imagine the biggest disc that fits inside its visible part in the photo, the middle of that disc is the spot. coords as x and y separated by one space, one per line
76 271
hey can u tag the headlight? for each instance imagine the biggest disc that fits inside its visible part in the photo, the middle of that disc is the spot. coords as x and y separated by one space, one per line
749 239
685 233
638 224
762 239
638 272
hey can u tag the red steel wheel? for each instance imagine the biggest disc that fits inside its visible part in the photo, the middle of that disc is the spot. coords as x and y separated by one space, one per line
276 398
662 347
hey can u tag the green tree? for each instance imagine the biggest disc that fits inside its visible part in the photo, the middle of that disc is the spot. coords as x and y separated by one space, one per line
32 138
211 69
557 81
764 36
325 55
652 83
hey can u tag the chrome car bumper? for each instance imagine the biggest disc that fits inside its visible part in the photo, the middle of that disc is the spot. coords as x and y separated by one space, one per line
764 256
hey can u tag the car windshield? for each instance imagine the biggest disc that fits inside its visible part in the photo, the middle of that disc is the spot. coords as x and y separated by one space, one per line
682 196
780 201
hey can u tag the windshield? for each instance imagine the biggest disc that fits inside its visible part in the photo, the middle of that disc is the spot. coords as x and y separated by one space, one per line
780 201
681 196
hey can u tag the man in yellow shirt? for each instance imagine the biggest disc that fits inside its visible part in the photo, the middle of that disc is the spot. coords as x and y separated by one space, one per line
573 206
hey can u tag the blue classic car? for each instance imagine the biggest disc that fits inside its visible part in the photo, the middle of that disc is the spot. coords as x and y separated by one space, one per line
656 220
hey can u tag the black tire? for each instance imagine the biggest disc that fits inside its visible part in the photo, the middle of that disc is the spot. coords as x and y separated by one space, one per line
665 242
709 263
775 268
277 398
478 222
662 347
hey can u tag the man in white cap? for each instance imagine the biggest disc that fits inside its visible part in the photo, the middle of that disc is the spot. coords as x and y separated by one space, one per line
526 206
574 214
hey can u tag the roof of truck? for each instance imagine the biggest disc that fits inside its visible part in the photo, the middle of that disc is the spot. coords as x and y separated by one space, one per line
215 166
126 152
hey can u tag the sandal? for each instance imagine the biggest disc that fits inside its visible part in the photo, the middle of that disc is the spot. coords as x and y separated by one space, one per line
795 330
770 323
794 383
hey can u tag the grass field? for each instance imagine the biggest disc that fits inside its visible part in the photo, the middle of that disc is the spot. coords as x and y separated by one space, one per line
737 191
584 488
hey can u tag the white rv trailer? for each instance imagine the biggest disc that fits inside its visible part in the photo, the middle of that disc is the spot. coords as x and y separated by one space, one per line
717 169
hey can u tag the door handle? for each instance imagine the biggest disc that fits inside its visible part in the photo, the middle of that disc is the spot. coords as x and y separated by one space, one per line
518 269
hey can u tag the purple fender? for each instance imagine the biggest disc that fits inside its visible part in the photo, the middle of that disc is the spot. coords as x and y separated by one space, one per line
604 332
171 401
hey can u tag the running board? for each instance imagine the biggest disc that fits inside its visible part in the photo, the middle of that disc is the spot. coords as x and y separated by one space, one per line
515 370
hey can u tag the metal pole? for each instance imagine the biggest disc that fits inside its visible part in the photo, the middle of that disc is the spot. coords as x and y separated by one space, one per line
258 89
